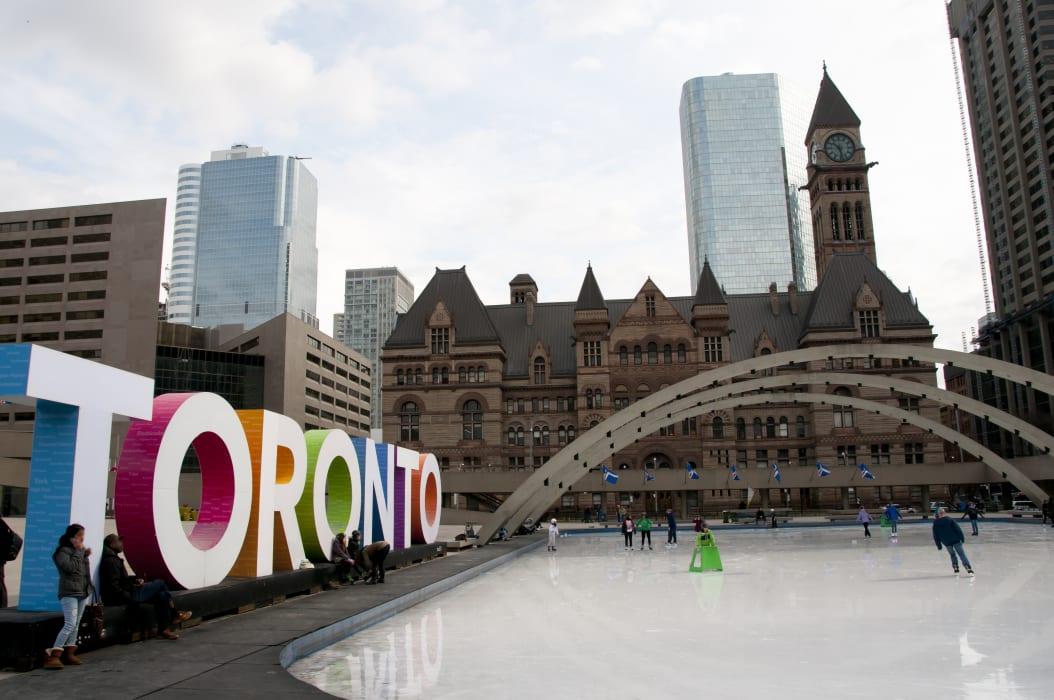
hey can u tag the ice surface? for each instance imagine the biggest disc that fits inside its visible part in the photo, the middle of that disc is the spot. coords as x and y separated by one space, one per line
797 613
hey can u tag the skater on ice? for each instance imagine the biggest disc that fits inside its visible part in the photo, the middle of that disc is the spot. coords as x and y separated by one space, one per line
973 513
644 525
864 517
671 528
947 533
554 532
893 516
774 523
627 530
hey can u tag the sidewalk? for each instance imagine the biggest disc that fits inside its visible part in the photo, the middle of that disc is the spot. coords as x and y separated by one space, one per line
237 656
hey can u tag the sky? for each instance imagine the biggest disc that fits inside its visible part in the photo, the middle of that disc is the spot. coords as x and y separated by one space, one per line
523 136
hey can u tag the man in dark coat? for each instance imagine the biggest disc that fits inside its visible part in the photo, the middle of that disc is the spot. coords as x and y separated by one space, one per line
118 587
371 558
947 533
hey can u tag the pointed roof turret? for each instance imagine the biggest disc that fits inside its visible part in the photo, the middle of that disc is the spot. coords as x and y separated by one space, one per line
590 298
708 291
831 108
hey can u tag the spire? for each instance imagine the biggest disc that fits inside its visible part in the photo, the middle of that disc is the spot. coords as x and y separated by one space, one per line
589 297
708 291
831 108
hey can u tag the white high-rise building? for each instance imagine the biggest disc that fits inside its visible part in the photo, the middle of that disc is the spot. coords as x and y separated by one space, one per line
373 299
184 243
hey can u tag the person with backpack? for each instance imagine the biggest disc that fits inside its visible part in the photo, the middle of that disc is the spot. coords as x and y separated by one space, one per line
627 530
71 560
10 546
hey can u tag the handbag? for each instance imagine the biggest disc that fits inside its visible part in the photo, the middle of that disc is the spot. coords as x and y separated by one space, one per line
93 623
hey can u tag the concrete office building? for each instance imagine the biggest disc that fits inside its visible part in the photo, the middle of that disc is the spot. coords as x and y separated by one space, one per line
373 299
1006 49
254 253
83 280
741 139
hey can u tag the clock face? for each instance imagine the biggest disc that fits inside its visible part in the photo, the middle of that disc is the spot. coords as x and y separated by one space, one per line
839 148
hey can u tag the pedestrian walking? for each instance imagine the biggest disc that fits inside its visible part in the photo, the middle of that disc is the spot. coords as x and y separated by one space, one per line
671 528
71 560
973 513
627 530
947 533
864 517
893 516
554 532
644 526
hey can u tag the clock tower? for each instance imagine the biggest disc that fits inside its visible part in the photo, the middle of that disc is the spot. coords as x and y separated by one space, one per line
837 179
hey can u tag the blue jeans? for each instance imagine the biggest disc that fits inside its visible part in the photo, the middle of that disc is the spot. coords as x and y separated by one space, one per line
156 593
957 548
72 609
973 524
893 526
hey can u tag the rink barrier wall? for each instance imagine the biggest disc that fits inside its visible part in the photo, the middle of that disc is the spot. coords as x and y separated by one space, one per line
330 634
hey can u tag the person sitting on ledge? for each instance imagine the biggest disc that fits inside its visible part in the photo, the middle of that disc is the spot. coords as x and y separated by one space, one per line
371 558
341 558
120 588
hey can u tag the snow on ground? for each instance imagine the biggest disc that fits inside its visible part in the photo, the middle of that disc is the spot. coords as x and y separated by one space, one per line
797 613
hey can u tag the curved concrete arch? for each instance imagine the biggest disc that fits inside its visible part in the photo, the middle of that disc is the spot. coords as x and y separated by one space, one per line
542 499
713 378
1043 441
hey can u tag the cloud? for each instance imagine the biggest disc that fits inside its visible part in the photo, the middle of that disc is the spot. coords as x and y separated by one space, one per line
587 63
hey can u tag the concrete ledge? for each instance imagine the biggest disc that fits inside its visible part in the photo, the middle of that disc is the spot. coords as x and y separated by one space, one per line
313 641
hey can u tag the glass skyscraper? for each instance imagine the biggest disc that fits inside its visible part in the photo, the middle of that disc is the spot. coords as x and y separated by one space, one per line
373 299
255 254
743 146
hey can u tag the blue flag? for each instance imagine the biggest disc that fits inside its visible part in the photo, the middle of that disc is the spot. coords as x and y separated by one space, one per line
693 474
735 474
610 477
865 472
776 472
822 469
648 476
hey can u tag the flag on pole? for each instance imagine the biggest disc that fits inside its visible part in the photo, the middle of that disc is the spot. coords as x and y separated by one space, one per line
735 474
690 470
865 472
648 476
610 477
776 472
822 469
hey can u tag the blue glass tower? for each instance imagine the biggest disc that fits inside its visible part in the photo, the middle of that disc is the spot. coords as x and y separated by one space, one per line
741 142
255 251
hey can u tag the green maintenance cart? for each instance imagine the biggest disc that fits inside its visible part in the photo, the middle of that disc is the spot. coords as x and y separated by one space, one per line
706 556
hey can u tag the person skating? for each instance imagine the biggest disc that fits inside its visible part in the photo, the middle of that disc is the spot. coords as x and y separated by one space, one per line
627 531
554 532
947 533
644 526
774 524
71 560
371 558
118 587
671 528
973 513
1044 509
759 517
893 516
864 517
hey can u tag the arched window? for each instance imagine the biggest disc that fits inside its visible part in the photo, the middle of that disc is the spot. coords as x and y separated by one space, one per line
718 427
653 353
536 435
758 430
571 433
444 375
409 422
598 399
539 370
471 421
545 435
830 184
682 353
741 429
593 423
435 375
512 435
561 435
399 379
843 415
481 374
835 231
859 208
799 426
589 398
784 427
419 376
471 375
623 355
636 355
519 437
770 427
857 183
847 220
667 354
462 375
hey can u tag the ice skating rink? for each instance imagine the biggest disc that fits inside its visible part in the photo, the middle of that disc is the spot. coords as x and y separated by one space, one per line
797 613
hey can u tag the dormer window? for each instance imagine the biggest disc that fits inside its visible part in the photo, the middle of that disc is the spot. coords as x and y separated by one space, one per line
440 341
869 327
649 305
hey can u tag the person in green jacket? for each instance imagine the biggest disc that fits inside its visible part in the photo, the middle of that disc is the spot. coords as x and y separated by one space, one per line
644 526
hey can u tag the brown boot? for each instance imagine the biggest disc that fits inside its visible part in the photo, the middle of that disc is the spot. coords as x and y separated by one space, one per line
51 659
69 657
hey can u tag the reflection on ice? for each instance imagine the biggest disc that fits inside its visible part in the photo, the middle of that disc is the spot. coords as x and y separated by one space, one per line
798 613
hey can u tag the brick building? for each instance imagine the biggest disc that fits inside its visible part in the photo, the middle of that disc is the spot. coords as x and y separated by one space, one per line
494 388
